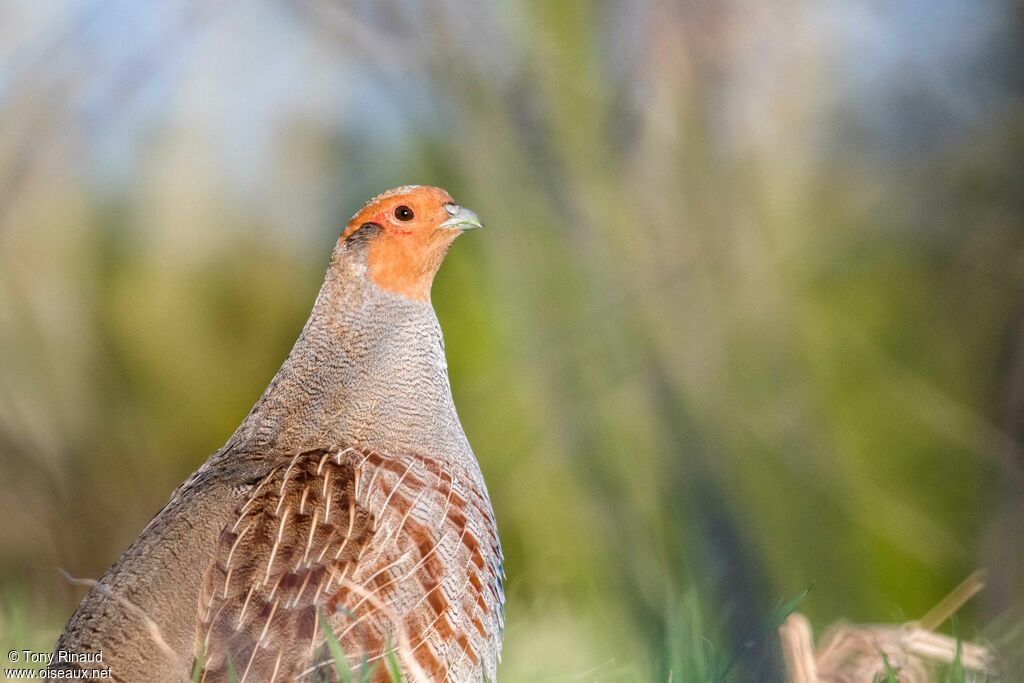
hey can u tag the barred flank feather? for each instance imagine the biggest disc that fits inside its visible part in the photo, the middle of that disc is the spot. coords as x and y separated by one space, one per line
390 549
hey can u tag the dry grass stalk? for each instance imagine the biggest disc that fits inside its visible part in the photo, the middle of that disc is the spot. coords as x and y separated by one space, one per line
853 653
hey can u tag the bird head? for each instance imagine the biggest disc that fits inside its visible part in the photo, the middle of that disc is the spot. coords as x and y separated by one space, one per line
408 231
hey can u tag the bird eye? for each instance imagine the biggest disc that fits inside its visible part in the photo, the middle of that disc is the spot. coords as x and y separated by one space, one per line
404 213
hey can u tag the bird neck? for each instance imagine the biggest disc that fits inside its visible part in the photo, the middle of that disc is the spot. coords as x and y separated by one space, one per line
368 370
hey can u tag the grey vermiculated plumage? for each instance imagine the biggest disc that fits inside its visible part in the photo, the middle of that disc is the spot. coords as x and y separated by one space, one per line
349 490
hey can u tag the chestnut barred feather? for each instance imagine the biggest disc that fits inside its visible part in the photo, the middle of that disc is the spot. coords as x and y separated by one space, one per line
398 550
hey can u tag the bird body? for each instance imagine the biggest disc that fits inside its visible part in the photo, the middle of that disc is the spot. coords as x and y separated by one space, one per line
349 493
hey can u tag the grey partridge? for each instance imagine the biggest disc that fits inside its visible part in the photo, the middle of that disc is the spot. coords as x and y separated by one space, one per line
349 493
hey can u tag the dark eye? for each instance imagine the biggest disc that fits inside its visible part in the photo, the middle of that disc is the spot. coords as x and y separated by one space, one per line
404 213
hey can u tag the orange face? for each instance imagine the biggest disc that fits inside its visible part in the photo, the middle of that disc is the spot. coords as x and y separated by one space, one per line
417 225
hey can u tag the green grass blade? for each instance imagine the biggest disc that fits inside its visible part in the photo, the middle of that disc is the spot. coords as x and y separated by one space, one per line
956 668
337 654
891 673
197 666
392 663
367 672
768 625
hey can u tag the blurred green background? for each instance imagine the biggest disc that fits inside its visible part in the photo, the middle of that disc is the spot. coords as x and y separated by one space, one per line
747 315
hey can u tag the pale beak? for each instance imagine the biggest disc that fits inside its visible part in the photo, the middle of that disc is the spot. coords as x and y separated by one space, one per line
461 219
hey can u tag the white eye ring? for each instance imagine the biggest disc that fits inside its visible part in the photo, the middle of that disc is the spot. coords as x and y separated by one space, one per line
452 209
